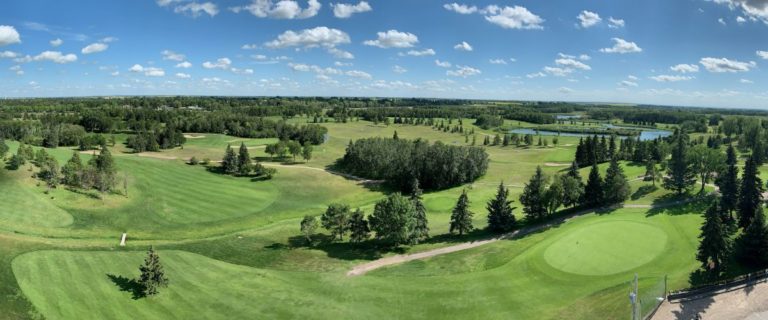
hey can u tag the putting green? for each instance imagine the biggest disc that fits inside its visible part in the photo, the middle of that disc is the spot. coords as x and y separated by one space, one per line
606 248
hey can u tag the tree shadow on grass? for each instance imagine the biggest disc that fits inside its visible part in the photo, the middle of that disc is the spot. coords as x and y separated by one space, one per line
672 204
128 285
644 191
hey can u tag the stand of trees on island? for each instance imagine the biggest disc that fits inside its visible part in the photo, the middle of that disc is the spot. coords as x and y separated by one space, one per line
400 161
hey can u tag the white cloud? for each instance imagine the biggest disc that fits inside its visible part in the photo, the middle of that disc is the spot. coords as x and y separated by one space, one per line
721 21
9 35
685 68
585 57
558 72
310 38
184 65
754 9
460 8
242 71
443 64
148 71
399 69
343 10
115 73
417 53
746 81
631 77
725 65
588 19
565 90
671 78
615 23
195 9
8 54
622 46
56 42
463 71
283 9
313 68
762 54
740 19
94 48
53 56
627 83
221 63
463 46
571 63
516 17
393 39
341 54
170 55
359 74
497 61
249 47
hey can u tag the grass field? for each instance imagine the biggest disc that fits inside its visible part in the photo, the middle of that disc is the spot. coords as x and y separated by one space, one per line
232 247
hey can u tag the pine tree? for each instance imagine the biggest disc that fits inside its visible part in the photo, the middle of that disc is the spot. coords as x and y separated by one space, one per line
681 177
715 242
616 187
152 274
728 183
394 136
593 191
421 229
358 227
461 217
229 162
72 171
500 216
753 243
107 170
244 166
533 196
573 171
750 193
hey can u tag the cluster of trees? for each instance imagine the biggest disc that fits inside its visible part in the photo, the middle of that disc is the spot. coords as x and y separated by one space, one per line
744 237
155 140
399 220
542 197
241 164
399 161
100 172
687 163
515 139
396 220
594 150
282 149
487 121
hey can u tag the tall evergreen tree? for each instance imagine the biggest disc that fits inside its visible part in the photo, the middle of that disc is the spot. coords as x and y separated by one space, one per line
244 166
358 227
229 162
753 243
500 216
534 196
107 170
72 171
573 171
616 187
421 228
750 193
728 183
152 274
461 217
593 192
715 243
680 174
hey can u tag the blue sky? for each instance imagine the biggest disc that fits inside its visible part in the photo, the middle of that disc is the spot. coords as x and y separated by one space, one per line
683 52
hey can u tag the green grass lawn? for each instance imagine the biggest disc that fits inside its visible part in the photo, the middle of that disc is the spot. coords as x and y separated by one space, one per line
232 246
523 278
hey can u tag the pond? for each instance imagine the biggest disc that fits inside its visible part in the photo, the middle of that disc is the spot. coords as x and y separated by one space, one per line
649 134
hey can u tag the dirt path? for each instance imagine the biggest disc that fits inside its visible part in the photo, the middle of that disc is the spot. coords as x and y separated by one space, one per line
397 259
746 302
